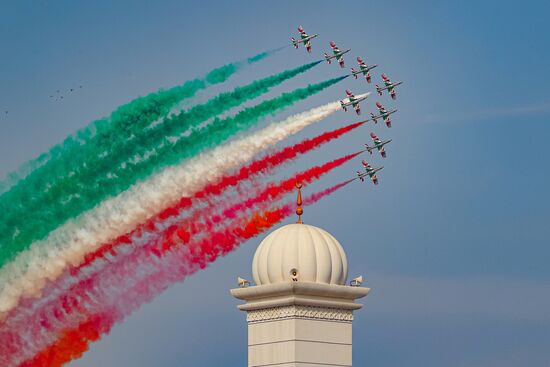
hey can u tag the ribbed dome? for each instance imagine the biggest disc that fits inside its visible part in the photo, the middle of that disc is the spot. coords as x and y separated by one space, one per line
300 251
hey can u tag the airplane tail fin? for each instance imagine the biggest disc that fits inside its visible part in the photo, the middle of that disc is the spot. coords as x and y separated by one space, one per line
378 90
294 42
343 105
354 73
369 149
327 58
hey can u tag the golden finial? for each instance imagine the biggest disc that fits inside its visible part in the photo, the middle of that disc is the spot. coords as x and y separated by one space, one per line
299 209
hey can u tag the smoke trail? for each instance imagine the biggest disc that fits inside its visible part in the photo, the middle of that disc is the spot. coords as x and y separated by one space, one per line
133 138
69 244
80 192
262 165
231 207
20 173
274 191
72 343
313 198
133 116
96 311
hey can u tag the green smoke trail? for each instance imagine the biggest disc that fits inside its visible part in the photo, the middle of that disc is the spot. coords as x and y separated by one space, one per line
40 223
123 122
68 181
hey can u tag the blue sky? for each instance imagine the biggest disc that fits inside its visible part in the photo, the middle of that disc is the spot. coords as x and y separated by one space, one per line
454 241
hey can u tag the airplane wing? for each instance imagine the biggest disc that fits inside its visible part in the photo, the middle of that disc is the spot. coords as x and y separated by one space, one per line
374 179
375 138
308 45
341 61
357 108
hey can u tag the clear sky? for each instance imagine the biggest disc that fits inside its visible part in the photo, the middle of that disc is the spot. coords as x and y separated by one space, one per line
454 242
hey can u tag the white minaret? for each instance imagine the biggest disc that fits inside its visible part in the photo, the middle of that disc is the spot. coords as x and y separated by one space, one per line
300 311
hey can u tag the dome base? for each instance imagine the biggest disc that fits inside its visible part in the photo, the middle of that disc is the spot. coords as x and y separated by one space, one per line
300 294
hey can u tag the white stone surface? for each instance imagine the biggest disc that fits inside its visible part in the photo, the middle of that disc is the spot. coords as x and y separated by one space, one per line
300 311
313 253
298 329
309 335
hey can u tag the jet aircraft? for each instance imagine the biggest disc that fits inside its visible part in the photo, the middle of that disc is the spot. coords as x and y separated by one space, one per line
363 69
369 171
389 86
305 39
353 101
339 55
378 144
382 114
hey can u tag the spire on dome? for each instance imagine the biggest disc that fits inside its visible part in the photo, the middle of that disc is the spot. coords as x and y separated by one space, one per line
299 209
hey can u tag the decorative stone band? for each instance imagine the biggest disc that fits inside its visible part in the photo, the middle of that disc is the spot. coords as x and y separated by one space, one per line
299 312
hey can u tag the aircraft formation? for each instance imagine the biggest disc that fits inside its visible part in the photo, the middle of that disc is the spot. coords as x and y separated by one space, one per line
58 95
351 100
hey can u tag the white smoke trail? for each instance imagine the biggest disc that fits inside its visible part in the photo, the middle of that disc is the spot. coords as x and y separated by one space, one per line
47 259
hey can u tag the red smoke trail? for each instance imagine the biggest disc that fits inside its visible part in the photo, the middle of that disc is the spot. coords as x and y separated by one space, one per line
225 241
262 165
197 223
86 295
72 343
276 159
274 191
313 198
190 228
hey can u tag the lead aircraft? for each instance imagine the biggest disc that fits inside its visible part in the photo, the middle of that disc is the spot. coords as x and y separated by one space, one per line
339 55
363 69
369 171
305 39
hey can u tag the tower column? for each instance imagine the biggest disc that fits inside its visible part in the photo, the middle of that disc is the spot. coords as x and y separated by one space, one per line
299 324
300 311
